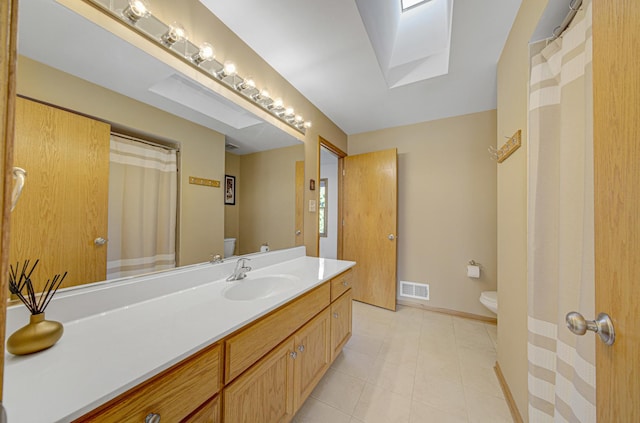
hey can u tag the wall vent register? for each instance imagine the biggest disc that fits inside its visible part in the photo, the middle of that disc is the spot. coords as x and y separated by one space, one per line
414 290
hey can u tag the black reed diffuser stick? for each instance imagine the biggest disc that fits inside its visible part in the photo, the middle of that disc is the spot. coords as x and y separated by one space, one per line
17 285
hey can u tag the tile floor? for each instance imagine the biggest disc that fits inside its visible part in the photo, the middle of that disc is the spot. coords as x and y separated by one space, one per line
411 366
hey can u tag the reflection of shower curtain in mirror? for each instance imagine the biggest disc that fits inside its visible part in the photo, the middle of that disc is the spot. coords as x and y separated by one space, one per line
142 208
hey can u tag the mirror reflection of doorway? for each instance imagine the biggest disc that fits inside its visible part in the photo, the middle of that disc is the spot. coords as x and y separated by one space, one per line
328 204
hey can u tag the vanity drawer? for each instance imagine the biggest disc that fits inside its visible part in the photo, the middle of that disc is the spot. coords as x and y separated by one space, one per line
174 394
341 283
250 344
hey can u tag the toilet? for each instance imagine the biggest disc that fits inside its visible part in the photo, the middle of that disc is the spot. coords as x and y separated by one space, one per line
229 247
489 299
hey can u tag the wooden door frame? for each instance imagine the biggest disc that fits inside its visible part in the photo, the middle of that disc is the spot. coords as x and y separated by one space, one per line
8 39
341 155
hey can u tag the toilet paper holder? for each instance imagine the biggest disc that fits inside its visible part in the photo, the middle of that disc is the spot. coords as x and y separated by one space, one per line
474 263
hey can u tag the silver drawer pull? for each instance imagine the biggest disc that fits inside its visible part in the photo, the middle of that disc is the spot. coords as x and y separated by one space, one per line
301 348
336 315
293 354
345 283
152 418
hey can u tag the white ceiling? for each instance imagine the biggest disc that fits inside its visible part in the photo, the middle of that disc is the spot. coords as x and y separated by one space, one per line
322 48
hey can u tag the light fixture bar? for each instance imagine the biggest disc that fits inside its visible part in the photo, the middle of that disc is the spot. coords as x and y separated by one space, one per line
136 15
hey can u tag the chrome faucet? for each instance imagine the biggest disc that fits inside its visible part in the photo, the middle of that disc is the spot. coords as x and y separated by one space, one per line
240 271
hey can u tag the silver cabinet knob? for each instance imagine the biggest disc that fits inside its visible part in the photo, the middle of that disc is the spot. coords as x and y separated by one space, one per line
345 283
336 315
603 326
152 418
100 241
298 232
293 354
391 237
301 348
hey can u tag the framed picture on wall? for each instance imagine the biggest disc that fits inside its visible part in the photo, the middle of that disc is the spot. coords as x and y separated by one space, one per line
229 190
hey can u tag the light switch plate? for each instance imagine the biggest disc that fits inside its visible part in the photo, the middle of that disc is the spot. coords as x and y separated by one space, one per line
312 206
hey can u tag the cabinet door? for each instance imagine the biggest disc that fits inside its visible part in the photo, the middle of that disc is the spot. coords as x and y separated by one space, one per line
313 348
340 323
208 413
265 392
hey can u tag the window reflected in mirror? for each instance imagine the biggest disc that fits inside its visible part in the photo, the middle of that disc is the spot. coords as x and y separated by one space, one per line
322 207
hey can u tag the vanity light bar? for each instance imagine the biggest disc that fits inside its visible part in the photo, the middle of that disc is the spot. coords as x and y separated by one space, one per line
137 15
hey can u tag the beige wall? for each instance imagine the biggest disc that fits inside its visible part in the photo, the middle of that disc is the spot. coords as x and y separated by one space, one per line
446 205
513 77
201 211
204 26
267 198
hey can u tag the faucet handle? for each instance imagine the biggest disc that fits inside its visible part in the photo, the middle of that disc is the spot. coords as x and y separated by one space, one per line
216 258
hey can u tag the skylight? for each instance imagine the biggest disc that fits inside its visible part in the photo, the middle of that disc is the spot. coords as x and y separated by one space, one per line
409 4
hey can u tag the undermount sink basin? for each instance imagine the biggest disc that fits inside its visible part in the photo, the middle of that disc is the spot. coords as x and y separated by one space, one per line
253 288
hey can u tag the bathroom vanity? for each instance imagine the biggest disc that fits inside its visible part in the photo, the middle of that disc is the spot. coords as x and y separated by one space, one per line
186 345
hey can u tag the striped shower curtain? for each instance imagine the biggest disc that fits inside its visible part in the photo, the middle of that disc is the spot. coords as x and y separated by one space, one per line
142 208
561 227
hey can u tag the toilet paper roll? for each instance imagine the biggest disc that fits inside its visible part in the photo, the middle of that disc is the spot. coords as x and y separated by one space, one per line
473 271
264 249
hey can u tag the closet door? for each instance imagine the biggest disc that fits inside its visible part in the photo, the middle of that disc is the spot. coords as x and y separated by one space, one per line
62 213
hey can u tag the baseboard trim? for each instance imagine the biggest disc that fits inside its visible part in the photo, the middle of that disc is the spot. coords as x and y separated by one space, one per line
515 414
456 313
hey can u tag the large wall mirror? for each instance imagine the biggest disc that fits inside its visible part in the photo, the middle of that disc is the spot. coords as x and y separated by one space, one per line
77 68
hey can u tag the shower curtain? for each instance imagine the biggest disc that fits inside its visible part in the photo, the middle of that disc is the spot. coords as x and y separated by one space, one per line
142 208
561 227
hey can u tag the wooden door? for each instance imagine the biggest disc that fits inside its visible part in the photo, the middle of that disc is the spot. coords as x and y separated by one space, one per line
616 77
8 40
340 323
299 204
313 347
64 203
370 224
265 392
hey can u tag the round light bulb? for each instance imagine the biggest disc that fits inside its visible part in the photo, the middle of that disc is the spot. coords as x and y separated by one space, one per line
175 33
289 111
205 54
299 118
250 83
136 10
264 94
307 124
229 68
278 104
139 7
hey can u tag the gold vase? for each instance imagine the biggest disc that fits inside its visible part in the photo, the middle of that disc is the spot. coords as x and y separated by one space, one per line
38 335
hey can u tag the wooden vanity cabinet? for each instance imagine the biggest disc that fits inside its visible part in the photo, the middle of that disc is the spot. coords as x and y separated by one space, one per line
313 356
265 392
208 413
278 384
340 323
270 367
173 394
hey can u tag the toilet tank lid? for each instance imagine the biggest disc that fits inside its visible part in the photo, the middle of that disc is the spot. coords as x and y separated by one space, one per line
228 239
490 296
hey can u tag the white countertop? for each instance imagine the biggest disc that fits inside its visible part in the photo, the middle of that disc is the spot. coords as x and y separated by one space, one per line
118 334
